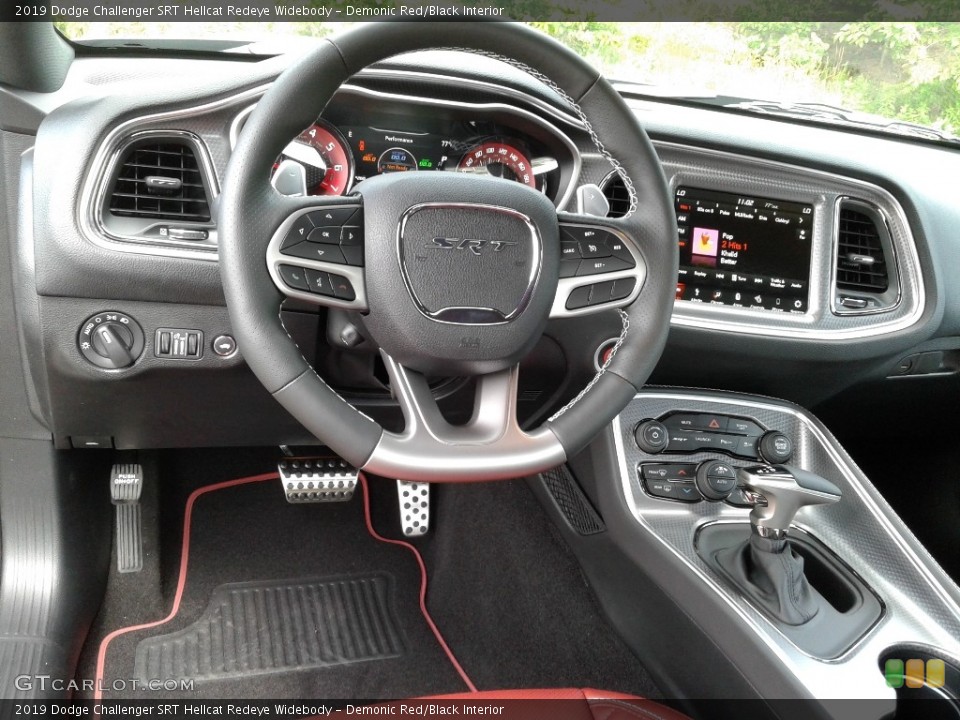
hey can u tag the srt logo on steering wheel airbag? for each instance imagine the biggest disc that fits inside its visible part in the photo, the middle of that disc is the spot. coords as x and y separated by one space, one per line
473 245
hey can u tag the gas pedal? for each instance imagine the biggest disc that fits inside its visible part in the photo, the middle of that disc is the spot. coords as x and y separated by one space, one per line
414 499
126 485
317 479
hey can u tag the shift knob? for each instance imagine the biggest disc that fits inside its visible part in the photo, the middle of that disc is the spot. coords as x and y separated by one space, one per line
785 489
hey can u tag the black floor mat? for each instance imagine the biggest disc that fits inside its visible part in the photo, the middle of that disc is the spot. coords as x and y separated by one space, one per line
258 628
250 534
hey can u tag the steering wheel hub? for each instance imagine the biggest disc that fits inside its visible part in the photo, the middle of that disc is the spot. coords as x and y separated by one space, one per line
466 269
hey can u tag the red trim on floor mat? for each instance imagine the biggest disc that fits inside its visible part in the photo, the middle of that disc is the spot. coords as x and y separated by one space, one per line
423 585
185 559
182 580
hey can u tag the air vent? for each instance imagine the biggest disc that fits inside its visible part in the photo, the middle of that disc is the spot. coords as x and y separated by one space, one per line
861 261
616 193
160 179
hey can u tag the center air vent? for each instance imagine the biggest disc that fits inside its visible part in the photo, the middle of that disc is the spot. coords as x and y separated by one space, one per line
616 193
861 263
160 179
866 279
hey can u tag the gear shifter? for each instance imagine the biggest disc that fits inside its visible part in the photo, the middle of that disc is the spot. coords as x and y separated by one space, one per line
784 489
765 567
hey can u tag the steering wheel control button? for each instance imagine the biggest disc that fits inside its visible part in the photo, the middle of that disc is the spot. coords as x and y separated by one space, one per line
353 254
569 267
579 298
651 436
293 277
775 447
298 232
351 235
622 288
178 344
329 235
601 265
329 217
224 345
318 282
111 340
342 287
716 479
317 251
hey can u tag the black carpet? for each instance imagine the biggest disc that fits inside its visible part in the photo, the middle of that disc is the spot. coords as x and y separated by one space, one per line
512 600
251 534
504 589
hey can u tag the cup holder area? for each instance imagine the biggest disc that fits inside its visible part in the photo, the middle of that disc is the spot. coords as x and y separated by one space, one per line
927 683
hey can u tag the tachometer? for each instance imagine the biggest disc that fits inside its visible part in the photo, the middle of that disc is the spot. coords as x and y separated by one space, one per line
500 160
322 152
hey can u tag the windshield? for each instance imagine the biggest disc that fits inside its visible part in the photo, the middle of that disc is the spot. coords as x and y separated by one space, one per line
900 77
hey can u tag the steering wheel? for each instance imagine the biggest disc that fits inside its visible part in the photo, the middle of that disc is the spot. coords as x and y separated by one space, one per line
455 274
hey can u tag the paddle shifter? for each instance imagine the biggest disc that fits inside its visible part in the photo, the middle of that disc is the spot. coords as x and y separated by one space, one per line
764 566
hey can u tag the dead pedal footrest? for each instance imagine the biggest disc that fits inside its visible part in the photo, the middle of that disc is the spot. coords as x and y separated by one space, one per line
317 479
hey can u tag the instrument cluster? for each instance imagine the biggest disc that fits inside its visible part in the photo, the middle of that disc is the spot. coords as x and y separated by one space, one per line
332 158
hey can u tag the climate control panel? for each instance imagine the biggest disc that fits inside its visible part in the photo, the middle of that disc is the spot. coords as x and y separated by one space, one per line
682 432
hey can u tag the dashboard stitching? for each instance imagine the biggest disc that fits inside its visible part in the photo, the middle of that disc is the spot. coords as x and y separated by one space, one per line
613 352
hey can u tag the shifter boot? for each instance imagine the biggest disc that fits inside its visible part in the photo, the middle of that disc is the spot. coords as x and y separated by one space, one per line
770 573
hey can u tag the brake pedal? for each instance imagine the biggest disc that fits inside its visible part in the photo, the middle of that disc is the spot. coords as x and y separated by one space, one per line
414 499
317 479
126 485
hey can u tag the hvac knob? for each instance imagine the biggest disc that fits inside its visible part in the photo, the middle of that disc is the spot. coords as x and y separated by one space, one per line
111 340
716 479
775 447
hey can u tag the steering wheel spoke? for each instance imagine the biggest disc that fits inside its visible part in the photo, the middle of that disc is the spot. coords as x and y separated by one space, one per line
600 267
491 445
316 254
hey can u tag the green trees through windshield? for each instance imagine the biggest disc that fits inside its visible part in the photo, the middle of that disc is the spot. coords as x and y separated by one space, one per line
904 71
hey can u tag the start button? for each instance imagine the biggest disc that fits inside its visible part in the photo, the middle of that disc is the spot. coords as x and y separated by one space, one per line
603 354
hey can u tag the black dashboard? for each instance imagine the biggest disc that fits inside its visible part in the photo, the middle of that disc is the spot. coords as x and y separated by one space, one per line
814 251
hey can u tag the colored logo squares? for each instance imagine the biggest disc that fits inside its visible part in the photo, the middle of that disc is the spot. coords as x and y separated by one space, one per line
914 673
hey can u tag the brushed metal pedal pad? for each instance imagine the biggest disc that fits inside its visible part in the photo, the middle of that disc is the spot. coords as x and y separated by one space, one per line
126 485
414 499
317 479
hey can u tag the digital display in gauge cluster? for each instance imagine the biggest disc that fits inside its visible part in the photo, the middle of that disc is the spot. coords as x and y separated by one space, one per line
378 151
743 251
336 157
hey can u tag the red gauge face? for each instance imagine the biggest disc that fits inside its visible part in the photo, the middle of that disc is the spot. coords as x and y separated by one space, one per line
500 160
324 156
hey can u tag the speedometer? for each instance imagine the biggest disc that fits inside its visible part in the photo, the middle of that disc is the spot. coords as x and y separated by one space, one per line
500 160
322 152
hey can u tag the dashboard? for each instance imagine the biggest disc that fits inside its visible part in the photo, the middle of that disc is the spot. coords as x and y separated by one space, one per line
805 247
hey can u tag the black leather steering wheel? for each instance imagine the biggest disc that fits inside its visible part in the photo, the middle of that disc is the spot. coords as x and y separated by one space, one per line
458 274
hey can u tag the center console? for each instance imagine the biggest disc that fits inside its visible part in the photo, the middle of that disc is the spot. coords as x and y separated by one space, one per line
680 485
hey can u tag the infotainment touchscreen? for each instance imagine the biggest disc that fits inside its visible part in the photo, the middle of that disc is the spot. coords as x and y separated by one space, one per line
743 251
